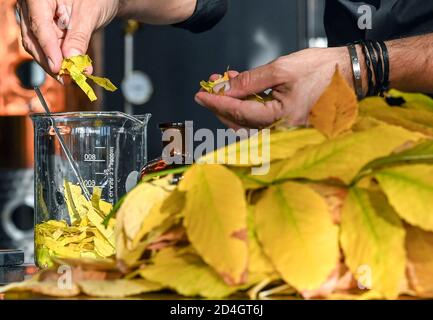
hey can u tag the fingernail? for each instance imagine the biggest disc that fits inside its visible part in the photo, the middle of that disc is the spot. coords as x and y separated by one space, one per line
50 63
74 52
198 101
222 87
60 79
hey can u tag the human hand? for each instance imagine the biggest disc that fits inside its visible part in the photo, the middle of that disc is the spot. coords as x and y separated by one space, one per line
56 29
296 80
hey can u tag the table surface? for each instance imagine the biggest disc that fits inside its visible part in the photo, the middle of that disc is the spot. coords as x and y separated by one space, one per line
20 273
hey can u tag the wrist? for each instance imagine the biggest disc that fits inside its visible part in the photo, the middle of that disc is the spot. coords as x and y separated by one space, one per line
342 58
349 68
156 12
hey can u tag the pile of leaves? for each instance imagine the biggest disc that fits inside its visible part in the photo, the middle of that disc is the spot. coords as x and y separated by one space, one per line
344 212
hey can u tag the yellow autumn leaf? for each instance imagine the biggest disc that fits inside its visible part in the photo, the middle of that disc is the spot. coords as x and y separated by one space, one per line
103 248
219 86
139 214
81 80
368 295
282 144
336 110
118 288
186 273
75 201
417 101
419 247
296 232
212 86
81 62
410 191
137 205
76 67
107 265
341 158
161 217
107 232
215 218
410 119
126 256
84 237
103 82
364 123
48 288
258 263
372 238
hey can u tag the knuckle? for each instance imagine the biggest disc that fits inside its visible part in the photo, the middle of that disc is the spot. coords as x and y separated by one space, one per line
79 38
244 79
238 117
26 44
278 63
278 109
278 69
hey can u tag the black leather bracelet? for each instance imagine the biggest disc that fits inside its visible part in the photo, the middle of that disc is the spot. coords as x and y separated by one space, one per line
385 56
374 65
380 70
368 64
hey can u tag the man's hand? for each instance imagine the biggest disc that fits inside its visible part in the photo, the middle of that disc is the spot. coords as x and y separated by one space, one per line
296 80
56 29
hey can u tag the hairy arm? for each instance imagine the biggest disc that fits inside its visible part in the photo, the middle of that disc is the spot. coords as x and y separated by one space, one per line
411 63
54 29
298 80
157 12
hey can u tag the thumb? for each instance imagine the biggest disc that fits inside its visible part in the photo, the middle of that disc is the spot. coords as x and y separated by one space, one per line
78 36
255 81
76 43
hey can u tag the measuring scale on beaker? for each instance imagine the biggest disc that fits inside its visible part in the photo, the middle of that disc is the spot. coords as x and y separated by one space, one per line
107 148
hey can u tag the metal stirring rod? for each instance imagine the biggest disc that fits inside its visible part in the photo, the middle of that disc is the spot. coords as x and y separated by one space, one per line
63 145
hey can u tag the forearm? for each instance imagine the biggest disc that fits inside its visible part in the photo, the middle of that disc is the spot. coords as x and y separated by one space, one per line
410 62
157 11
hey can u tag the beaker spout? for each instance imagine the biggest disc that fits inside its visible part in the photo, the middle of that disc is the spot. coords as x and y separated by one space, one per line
138 119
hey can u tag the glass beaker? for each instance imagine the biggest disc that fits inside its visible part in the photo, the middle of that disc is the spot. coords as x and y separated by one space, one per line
109 149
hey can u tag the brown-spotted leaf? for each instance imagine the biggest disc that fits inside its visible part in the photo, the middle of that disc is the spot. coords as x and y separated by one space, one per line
419 248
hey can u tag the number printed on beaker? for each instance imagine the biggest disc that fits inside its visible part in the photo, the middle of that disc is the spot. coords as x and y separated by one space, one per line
89 157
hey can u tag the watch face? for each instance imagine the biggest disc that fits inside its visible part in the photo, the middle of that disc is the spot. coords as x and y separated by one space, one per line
137 88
